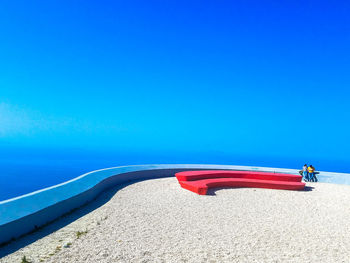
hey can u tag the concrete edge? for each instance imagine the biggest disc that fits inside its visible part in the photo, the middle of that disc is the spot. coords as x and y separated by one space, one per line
24 214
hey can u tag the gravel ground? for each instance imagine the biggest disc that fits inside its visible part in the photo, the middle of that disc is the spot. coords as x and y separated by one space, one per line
157 221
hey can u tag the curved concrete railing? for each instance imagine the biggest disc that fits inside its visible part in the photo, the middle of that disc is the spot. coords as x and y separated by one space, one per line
26 213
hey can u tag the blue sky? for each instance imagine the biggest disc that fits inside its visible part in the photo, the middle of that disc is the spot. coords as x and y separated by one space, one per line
240 78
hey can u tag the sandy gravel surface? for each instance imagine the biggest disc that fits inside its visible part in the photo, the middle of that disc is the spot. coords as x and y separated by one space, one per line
157 221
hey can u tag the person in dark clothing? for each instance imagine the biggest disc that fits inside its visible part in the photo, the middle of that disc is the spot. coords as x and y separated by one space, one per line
312 176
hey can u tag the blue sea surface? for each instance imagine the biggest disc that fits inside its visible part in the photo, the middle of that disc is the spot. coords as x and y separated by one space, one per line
24 172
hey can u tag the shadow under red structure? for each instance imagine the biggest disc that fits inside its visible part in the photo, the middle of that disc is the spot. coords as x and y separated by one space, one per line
199 181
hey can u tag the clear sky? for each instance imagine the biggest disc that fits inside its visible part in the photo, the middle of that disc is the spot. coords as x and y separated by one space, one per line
243 78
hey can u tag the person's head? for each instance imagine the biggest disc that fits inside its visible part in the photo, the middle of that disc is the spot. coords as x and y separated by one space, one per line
311 166
305 164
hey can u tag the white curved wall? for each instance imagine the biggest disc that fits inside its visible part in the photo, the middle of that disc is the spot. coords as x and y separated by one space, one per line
24 214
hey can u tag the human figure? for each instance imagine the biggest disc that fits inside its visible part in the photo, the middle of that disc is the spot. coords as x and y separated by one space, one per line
314 174
311 171
305 173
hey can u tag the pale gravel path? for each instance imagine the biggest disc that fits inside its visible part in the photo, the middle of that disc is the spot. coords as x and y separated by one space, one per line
157 221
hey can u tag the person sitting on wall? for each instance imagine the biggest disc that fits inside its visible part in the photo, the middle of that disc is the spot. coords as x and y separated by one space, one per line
315 177
312 176
305 173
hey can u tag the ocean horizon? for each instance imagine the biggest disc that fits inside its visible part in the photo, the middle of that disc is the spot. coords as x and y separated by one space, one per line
22 172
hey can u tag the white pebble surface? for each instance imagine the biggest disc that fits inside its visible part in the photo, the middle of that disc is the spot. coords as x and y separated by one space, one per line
158 221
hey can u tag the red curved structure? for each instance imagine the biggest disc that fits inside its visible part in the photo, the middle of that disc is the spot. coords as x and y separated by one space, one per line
199 181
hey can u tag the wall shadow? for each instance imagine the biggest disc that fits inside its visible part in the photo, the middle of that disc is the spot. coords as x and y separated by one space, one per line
62 221
66 211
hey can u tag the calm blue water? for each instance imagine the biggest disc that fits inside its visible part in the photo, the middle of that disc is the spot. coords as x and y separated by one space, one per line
23 172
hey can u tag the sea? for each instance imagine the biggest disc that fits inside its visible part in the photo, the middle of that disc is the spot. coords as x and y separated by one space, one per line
23 172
